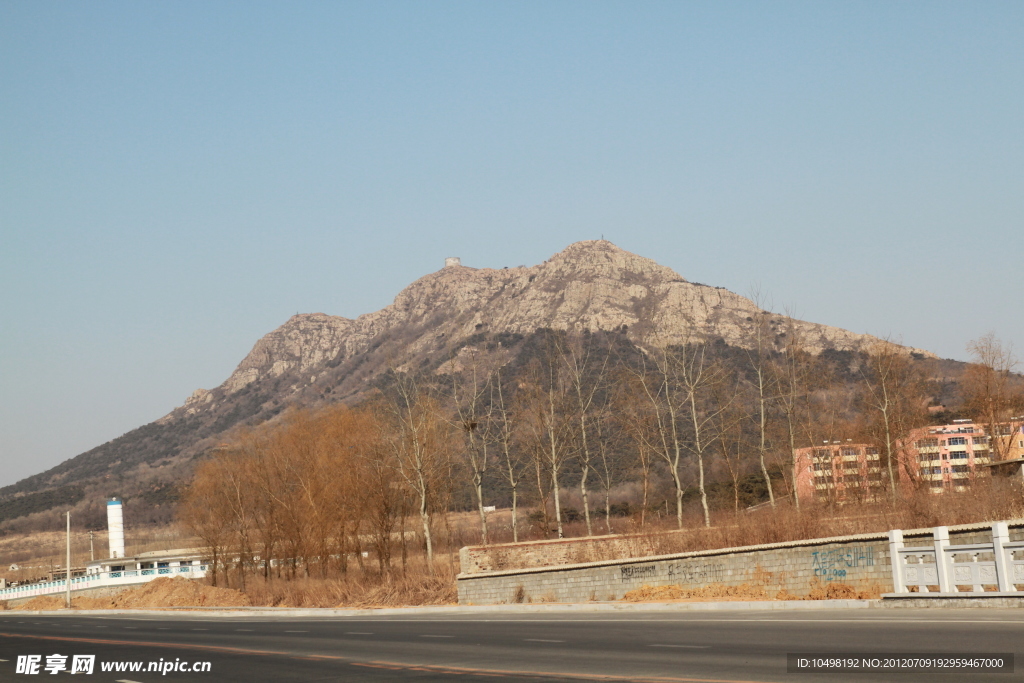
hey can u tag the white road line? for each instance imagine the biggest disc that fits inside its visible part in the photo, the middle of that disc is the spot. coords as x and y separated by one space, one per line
125 680
296 631
358 633
200 629
695 647
158 628
4 660
433 636
542 640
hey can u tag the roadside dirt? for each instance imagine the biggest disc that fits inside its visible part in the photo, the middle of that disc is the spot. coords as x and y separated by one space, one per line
720 593
162 592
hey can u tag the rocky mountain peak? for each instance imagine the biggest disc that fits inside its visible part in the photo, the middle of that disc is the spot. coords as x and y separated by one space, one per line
589 285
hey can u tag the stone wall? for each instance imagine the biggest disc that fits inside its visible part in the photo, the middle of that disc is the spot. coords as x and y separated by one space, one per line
861 561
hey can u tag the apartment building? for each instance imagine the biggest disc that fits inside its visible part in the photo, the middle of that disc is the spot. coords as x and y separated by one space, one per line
949 457
954 456
838 471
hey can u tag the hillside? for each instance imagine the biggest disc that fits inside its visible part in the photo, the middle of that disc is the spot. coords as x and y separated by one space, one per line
315 358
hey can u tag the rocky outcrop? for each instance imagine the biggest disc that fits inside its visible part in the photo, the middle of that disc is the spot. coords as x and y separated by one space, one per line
591 285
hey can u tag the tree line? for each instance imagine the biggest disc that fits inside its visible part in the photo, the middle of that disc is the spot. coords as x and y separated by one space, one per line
589 416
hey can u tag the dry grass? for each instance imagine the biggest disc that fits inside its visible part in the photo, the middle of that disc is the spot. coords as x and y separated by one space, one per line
357 590
995 500
161 592
721 593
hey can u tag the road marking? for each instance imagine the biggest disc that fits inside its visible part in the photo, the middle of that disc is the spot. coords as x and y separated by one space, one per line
200 629
296 631
433 636
358 633
4 660
696 647
249 630
158 628
125 680
542 640
129 627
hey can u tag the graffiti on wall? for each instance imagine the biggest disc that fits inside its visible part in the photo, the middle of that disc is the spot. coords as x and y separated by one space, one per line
833 565
634 572
711 572
708 572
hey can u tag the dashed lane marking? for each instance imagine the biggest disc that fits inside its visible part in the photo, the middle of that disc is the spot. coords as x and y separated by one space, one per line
542 640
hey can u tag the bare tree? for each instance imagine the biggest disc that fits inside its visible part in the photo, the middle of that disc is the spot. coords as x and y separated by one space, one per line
699 375
760 358
666 402
790 372
994 393
545 415
471 391
416 431
504 424
895 397
586 378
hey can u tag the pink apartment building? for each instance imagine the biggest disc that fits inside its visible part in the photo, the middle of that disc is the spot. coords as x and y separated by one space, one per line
944 458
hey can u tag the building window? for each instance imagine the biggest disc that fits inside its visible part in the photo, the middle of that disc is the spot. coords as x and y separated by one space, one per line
978 440
960 468
851 451
928 443
958 441
958 455
936 484
817 466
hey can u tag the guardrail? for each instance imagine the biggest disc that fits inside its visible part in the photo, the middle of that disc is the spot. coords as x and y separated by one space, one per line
126 577
948 567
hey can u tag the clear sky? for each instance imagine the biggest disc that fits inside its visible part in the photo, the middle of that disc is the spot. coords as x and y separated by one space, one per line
178 178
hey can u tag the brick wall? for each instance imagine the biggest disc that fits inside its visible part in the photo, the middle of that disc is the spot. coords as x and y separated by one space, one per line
861 561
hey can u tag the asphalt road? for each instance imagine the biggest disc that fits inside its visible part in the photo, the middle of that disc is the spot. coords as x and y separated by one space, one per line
663 646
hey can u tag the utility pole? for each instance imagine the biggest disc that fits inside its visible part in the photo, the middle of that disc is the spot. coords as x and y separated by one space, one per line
67 567
92 553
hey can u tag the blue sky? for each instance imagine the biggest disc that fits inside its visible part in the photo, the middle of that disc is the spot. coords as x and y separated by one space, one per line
177 179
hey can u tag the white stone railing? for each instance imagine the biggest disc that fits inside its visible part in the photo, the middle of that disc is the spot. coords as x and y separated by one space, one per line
126 577
951 566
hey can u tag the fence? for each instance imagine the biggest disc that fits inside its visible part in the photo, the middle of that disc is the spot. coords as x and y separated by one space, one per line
943 569
115 579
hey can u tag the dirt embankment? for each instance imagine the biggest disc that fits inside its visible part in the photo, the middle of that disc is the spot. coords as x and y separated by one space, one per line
162 592
719 592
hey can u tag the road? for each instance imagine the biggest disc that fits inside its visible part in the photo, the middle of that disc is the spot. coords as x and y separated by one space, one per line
664 646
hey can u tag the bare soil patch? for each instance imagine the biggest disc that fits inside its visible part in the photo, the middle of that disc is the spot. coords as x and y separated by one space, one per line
162 592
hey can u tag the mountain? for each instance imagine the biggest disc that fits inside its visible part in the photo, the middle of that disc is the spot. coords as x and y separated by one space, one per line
315 357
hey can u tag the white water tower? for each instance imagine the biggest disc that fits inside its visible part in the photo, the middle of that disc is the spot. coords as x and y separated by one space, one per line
115 527
452 261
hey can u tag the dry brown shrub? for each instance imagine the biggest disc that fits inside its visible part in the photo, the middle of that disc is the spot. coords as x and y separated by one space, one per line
715 591
357 591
